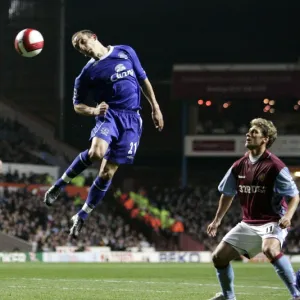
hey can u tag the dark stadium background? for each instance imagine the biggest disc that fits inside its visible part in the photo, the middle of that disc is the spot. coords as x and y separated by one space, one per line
151 205
162 32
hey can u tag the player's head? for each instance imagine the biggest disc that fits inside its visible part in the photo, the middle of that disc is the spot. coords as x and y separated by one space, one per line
86 42
262 133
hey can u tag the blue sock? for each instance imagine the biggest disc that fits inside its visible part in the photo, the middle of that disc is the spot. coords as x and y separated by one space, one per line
285 271
79 164
95 195
226 277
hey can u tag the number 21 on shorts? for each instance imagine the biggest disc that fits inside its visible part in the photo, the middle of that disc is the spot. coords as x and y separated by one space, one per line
133 147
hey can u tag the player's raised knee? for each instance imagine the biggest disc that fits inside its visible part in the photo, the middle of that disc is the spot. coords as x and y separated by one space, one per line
108 172
107 175
270 252
96 154
217 259
98 149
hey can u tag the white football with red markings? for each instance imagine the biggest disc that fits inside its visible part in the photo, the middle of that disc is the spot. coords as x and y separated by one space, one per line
29 42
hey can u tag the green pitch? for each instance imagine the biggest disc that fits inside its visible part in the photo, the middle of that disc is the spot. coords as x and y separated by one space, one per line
38 281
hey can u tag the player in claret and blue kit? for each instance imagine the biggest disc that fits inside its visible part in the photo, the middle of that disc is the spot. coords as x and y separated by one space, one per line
263 184
115 77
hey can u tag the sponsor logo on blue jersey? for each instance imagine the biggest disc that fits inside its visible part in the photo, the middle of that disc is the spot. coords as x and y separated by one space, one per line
121 72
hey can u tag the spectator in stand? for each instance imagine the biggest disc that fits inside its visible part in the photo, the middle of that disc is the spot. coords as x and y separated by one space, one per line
187 205
22 214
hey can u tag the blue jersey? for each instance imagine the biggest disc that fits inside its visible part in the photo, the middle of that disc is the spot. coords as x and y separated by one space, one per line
114 78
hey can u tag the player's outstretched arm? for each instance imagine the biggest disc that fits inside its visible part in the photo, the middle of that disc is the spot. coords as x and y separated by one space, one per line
156 113
285 221
286 187
224 204
99 110
227 188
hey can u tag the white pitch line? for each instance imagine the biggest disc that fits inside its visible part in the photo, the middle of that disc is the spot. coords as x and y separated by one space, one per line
142 282
95 289
80 288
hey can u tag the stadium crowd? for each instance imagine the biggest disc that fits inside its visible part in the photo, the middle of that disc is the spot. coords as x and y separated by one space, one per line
24 215
31 178
196 207
44 178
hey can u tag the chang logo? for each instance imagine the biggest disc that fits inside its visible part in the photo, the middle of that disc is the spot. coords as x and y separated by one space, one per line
121 72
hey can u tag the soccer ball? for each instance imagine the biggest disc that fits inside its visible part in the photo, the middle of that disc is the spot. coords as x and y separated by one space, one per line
29 42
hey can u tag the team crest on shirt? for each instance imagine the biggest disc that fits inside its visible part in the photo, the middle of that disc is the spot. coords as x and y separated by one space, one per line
104 131
261 177
120 68
123 55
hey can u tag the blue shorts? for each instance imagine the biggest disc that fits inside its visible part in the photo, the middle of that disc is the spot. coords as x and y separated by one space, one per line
122 130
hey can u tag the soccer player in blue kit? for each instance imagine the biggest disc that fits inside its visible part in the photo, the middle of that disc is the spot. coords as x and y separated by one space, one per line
263 184
115 77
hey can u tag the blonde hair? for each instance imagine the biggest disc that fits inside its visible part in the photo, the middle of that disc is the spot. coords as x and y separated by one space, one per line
267 128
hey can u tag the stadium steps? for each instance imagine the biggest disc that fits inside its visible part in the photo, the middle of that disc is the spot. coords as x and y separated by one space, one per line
10 243
39 127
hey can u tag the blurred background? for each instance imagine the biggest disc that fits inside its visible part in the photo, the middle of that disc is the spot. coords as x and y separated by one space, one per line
214 66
